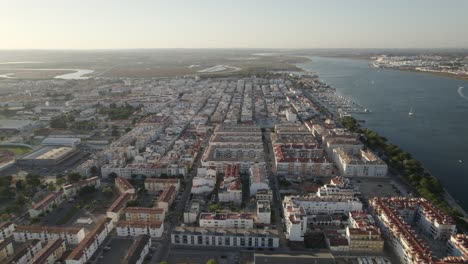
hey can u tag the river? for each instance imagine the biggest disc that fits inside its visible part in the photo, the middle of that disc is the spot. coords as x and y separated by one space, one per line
436 133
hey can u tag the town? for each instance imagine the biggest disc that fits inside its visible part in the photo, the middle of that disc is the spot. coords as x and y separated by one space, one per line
456 66
197 169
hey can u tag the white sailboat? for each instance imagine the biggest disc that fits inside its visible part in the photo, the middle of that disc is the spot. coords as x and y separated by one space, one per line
410 111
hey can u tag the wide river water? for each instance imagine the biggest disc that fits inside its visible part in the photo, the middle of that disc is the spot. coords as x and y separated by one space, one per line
437 132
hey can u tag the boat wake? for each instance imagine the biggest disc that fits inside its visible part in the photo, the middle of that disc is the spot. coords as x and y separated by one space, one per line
460 89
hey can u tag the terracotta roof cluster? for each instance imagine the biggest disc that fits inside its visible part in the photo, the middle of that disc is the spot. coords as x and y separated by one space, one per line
167 194
139 224
119 203
48 229
147 210
390 207
300 153
89 239
225 216
48 199
81 183
45 253
123 184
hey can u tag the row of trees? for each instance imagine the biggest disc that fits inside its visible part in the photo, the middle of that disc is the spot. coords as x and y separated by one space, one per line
420 179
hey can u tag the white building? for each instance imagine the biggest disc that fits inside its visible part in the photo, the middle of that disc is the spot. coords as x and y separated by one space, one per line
74 188
226 220
397 215
264 212
116 210
225 237
366 164
47 204
59 141
458 246
73 235
301 160
258 179
295 221
204 182
51 253
136 228
153 185
191 212
313 204
124 186
6 230
264 195
82 253
230 189
144 214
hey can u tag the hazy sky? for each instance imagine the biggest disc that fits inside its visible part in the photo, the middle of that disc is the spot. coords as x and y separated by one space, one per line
114 24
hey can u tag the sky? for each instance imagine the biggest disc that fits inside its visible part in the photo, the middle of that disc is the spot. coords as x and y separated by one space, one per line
292 24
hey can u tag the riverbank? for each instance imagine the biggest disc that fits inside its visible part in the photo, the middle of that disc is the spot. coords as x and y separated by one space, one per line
410 171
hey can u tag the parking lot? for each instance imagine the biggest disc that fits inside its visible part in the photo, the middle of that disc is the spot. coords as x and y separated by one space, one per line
371 187
115 251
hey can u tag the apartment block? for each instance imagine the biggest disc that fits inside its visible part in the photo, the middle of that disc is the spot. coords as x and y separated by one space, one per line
51 253
82 253
144 214
153 185
72 235
226 220
225 237
47 204
136 228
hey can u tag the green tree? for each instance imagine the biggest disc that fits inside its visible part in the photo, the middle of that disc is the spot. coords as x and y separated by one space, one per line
211 261
93 170
51 187
74 177
112 176
19 185
108 191
5 217
60 181
33 179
